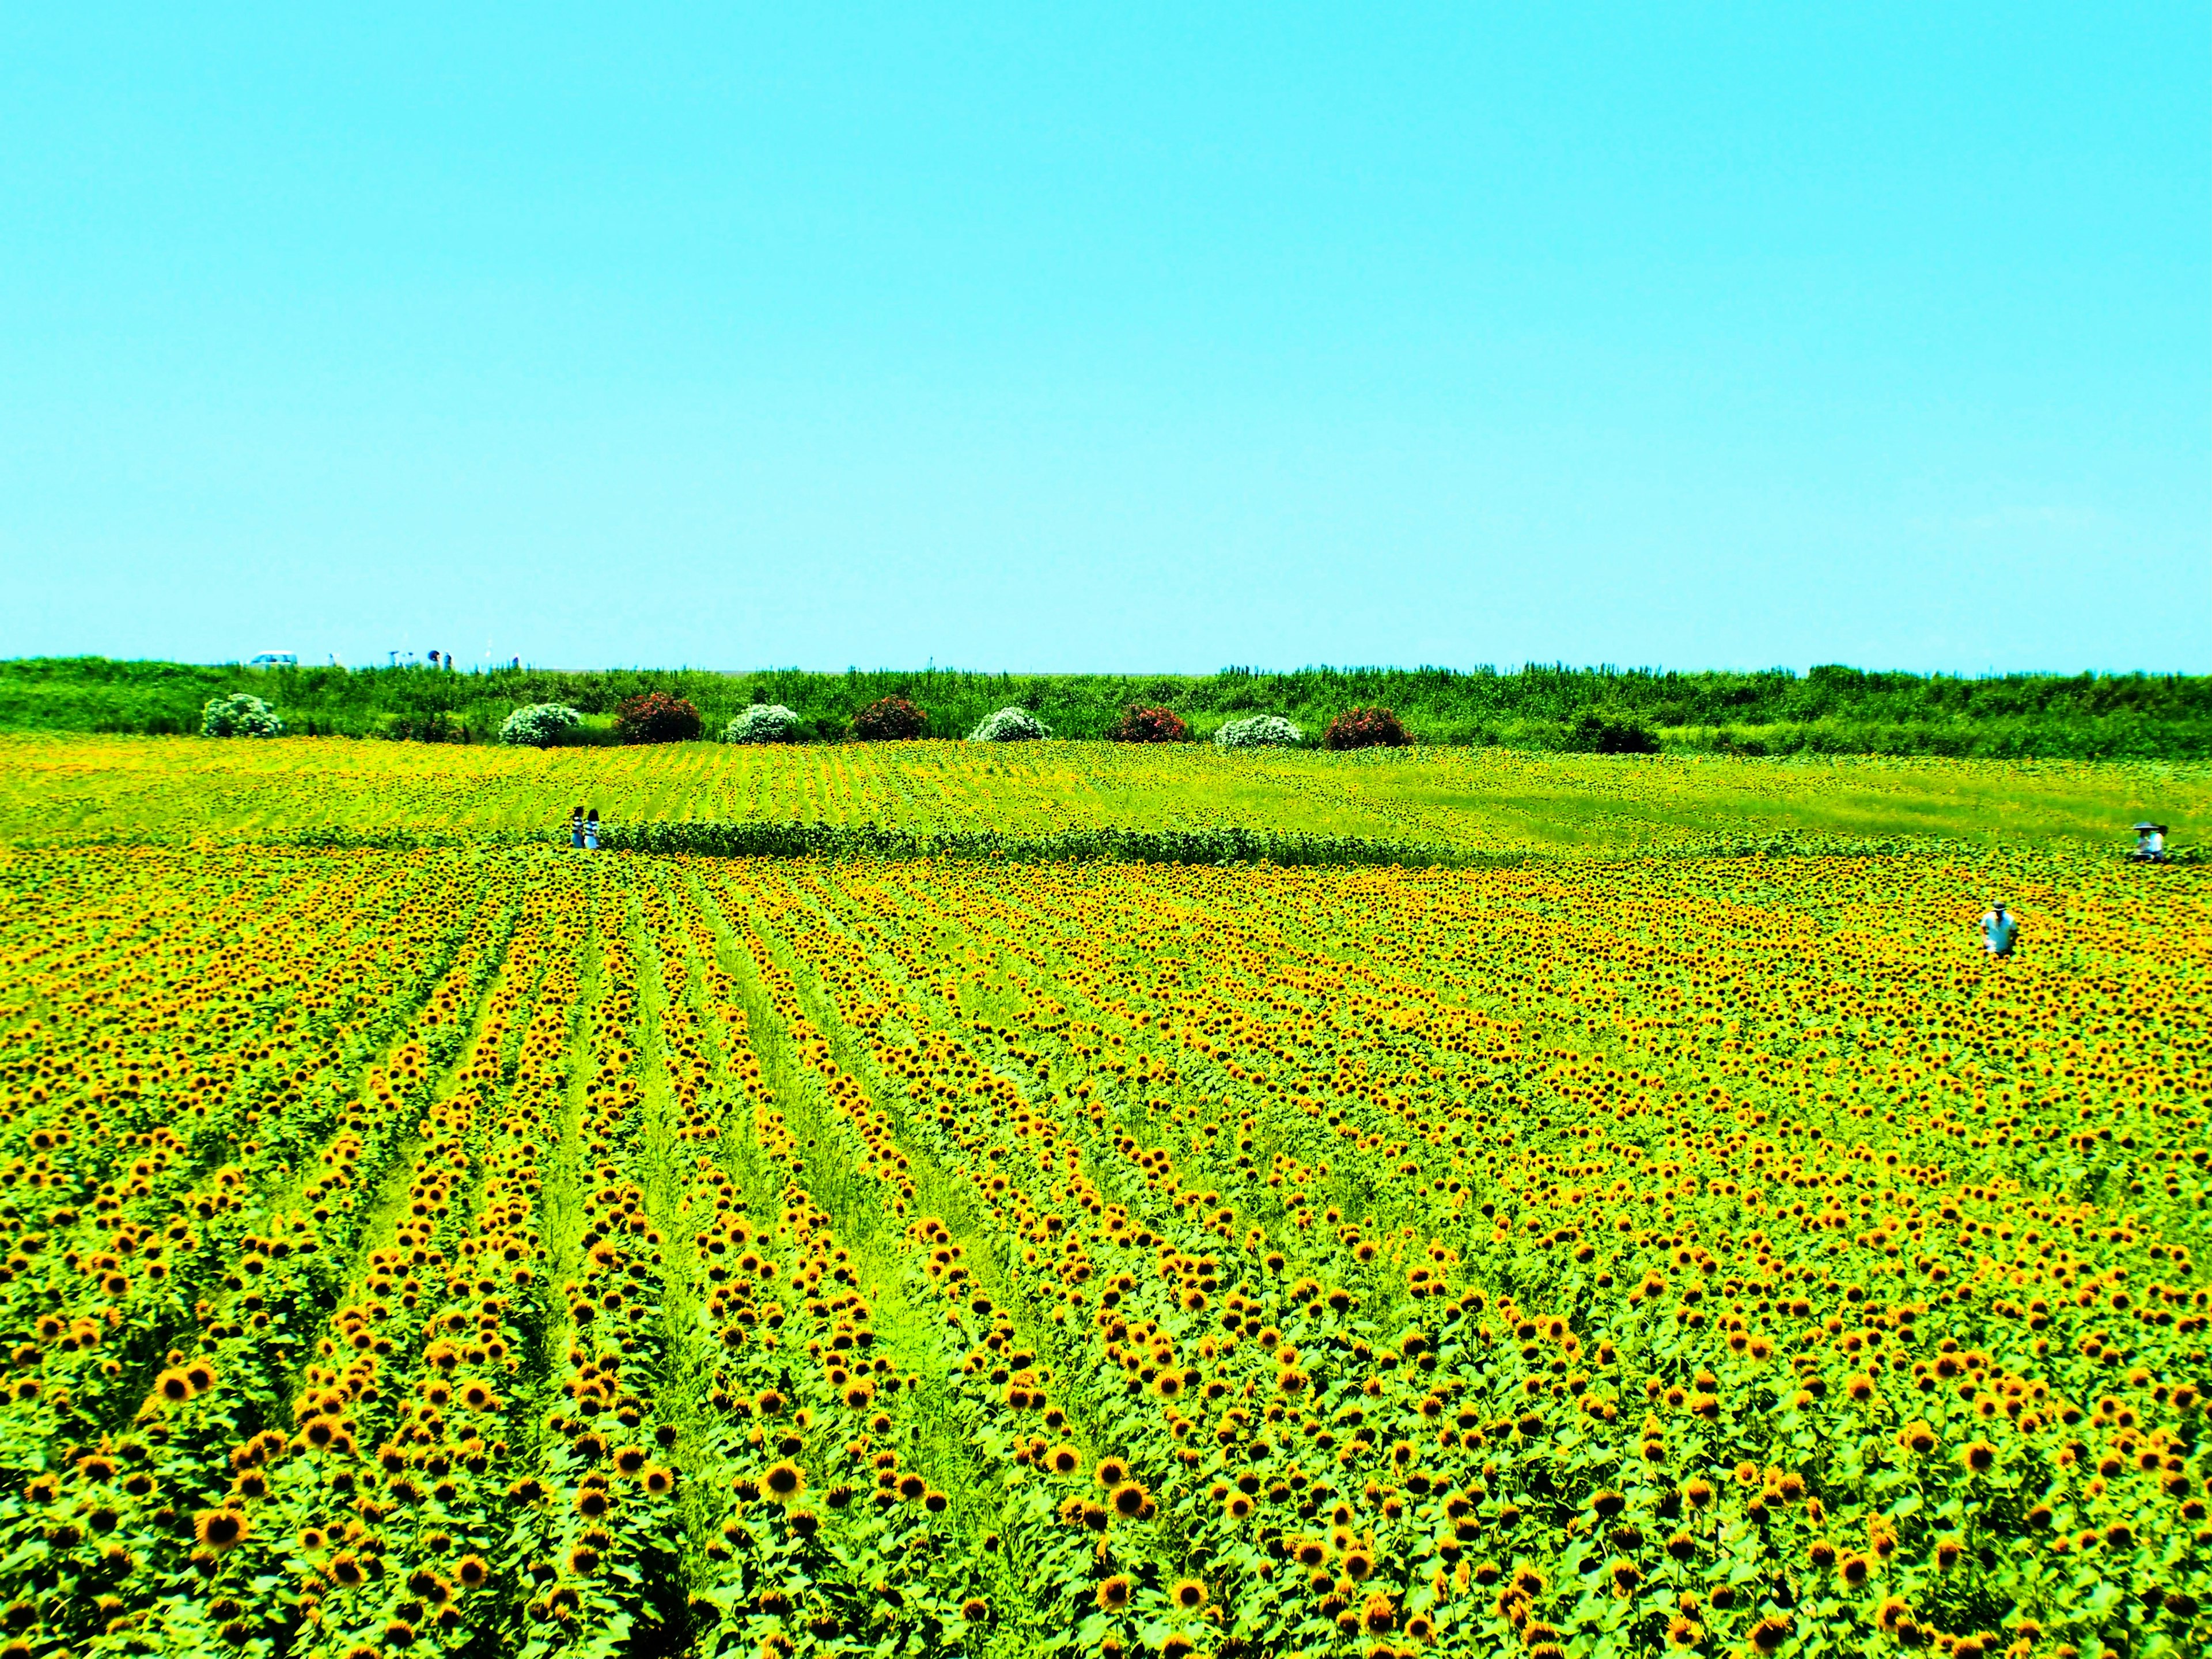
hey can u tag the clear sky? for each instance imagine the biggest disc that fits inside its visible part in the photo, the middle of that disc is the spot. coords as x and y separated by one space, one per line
1127 337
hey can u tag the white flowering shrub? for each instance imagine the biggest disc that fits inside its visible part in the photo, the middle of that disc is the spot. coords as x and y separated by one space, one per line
1009 725
539 725
1260 731
765 722
239 715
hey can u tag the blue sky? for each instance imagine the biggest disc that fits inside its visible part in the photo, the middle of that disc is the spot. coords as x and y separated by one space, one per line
1128 338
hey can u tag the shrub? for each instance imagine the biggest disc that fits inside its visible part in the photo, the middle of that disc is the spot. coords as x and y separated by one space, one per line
1595 735
436 726
1364 728
766 722
1009 725
1260 731
889 720
239 715
657 717
1138 724
539 725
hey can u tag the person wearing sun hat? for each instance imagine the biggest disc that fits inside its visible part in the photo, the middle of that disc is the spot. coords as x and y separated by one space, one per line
1999 930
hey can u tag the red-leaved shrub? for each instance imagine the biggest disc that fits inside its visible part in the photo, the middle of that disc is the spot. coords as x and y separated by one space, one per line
889 720
1364 728
656 717
1138 724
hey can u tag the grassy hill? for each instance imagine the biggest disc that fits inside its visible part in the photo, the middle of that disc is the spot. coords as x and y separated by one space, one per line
1830 710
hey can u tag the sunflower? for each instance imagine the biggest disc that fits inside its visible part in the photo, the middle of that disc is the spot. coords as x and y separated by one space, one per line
221 1529
1131 1500
1189 1594
1114 1594
784 1481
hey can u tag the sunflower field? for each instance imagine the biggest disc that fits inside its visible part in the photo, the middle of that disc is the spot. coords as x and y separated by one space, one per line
493 1248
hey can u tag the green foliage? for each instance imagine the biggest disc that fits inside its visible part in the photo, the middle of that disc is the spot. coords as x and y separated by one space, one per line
436 726
241 714
770 839
1828 711
1594 734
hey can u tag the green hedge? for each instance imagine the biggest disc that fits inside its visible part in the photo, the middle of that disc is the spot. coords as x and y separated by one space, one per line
762 839
1830 710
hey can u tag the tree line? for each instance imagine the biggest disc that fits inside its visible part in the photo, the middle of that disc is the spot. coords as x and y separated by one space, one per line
1828 710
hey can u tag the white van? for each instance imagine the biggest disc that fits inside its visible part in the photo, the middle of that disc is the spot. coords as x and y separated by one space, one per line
274 660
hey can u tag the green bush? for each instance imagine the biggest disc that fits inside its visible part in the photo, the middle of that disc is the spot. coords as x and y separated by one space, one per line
439 726
240 714
1594 734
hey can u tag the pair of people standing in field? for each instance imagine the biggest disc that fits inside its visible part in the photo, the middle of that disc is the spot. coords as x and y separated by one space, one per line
584 828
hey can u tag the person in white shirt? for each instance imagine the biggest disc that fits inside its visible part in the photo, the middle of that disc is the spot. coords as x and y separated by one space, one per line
2151 844
1999 930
